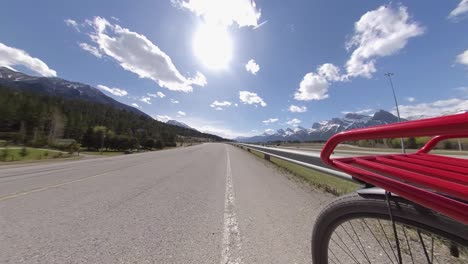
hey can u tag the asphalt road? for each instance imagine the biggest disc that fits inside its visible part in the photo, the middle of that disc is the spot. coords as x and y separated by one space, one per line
211 203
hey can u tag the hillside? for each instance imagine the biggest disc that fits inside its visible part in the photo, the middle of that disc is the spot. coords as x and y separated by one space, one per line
53 86
38 111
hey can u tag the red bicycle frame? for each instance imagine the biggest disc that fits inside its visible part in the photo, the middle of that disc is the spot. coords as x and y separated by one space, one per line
434 181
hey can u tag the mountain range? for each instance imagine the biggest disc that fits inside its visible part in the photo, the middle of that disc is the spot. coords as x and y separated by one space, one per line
53 86
179 124
323 130
57 87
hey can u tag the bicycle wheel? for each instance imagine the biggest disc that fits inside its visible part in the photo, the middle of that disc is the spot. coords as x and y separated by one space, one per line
357 229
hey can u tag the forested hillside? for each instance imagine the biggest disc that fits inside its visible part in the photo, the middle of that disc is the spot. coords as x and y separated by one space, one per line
36 119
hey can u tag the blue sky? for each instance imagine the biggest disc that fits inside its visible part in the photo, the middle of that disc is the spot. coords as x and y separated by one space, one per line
238 67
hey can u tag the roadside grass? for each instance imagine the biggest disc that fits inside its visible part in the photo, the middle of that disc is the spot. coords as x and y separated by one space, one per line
29 154
315 178
103 153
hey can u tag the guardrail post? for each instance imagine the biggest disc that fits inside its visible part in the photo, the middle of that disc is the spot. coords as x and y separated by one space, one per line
267 157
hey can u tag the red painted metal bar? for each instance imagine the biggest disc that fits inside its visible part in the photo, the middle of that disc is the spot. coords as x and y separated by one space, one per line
431 164
446 125
445 175
455 177
454 189
463 163
435 140
445 205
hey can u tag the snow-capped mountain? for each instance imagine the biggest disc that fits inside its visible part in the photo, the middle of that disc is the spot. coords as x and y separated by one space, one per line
179 124
59 87
325 129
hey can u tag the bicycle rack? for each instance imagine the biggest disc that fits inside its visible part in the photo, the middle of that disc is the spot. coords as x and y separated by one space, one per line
434 181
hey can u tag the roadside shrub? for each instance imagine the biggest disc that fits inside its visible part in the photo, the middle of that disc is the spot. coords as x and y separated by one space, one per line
448 145
158 144
23 152
4 154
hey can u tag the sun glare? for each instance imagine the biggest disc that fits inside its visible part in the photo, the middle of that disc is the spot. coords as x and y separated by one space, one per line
213 46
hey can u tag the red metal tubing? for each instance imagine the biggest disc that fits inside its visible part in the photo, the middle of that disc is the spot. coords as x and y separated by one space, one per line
452 208
446 125
435 140
442 185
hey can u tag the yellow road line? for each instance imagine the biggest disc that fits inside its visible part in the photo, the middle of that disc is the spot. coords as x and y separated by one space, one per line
15 195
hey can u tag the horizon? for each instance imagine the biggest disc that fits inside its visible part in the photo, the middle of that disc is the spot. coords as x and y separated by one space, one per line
207 65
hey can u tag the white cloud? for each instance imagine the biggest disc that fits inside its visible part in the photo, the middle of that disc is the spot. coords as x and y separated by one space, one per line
460 10
72 23
252 67
361 112
217 105
221 131
174 101
251 98
462 89
224 12
180 113
329 72
312 87
158 94
437 108
114 91
270 120
162 118
91 49
297 109
410 99
269 131
10 57
365 111
294 122
145 99
136 105
463 58
378 33
137 54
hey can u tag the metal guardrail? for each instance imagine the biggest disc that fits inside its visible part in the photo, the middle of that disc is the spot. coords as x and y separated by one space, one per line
308 160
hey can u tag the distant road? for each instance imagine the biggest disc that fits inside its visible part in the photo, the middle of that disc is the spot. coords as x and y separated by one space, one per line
211 203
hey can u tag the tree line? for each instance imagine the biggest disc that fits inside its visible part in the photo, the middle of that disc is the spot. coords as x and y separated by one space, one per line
38 120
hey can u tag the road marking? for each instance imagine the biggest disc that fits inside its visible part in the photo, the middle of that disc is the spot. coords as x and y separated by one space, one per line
11 196
14 195
231 236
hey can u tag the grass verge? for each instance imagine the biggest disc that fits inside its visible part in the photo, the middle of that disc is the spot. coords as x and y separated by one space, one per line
29 154
103 153
315 178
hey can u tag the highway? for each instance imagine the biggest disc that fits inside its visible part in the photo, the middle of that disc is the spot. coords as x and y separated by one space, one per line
210 203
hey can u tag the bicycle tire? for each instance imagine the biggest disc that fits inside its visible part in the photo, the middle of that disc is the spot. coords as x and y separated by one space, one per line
358 206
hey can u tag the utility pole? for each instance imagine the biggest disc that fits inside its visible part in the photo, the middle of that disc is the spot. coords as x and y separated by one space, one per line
389 75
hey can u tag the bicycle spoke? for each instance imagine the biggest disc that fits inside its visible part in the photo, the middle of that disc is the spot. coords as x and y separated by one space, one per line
359 240
388 240
337 259
378 241
432 249
366 237
351 238
424 246
409 246
350 251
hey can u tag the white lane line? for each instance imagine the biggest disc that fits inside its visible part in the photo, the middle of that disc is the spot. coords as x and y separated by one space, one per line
231 253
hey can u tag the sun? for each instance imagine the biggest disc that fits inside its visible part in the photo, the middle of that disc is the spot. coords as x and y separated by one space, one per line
212 45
